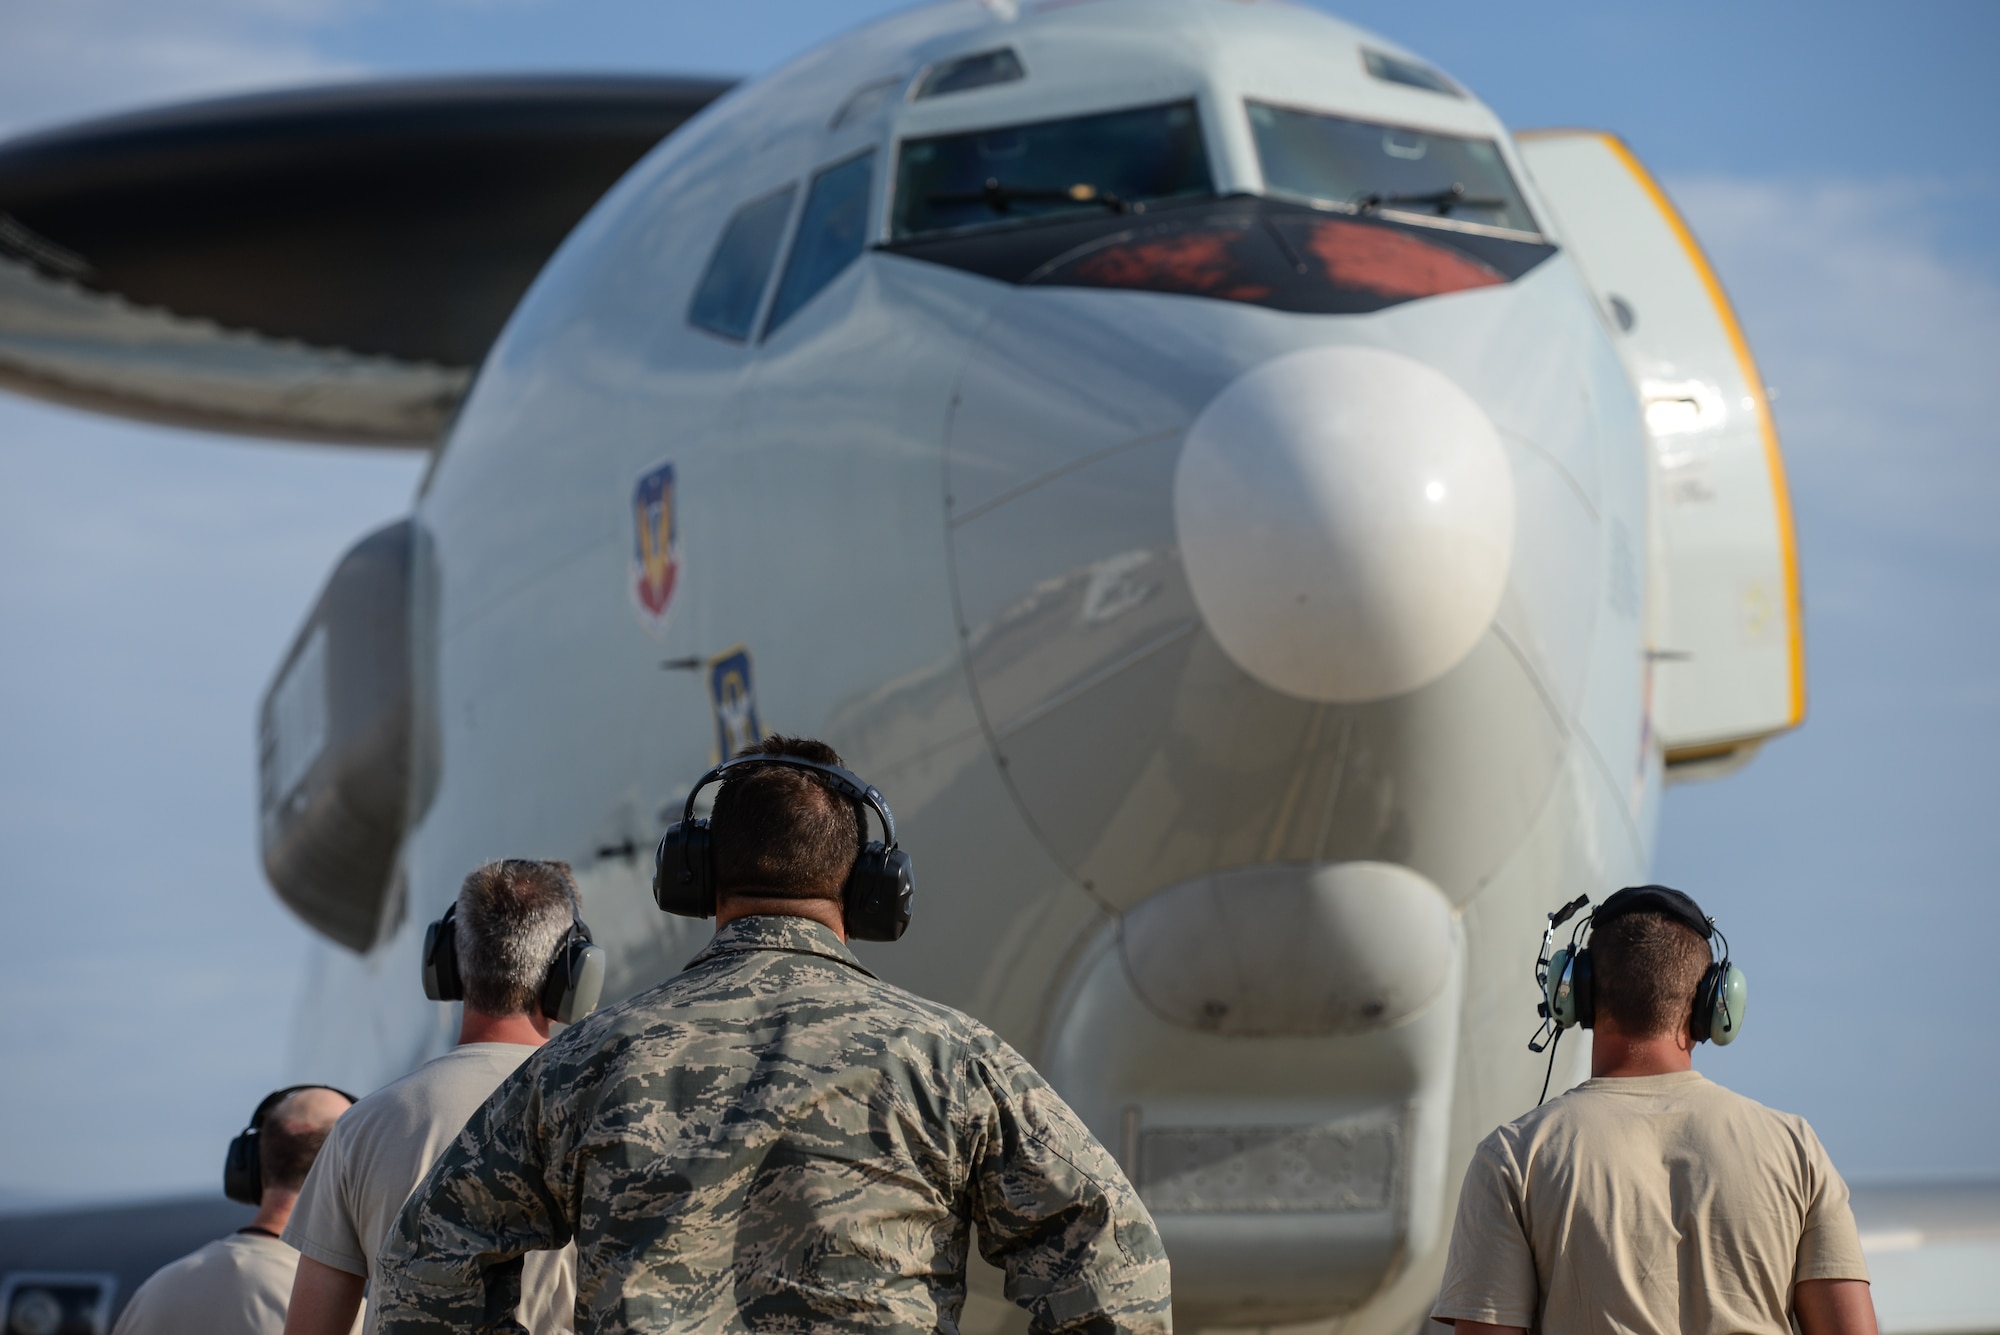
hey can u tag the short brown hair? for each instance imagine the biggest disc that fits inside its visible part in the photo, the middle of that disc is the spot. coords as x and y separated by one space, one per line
1646 967
287 1145
511 917
780 833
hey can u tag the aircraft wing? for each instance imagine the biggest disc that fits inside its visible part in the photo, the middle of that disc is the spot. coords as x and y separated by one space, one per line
1933 1254
321 264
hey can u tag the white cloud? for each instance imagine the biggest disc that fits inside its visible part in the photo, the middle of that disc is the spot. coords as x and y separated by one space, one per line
1881 334
1880 340
65 59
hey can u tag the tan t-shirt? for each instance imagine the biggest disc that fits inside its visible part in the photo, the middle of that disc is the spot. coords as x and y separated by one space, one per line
1652 1205
238 1285
380 1150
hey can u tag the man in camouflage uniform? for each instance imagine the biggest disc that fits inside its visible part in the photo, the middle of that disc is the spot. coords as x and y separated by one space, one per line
776 1140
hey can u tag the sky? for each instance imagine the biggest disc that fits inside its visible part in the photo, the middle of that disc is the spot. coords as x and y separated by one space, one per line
1836 160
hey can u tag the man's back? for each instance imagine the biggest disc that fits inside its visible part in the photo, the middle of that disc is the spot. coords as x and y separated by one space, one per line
773 1136
380 1150
237 1285
1574 1205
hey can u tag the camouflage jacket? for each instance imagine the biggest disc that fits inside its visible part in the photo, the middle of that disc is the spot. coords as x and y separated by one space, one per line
774 1140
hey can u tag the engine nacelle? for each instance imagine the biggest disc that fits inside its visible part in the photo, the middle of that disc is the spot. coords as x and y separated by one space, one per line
334 745
1727 622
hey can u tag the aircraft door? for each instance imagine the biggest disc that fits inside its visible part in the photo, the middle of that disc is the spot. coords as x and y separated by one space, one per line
1726 618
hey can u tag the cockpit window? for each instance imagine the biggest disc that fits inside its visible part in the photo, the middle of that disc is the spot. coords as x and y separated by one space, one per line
1395 69
865 101
970 72
1116 162
732 286
832 233
1406 174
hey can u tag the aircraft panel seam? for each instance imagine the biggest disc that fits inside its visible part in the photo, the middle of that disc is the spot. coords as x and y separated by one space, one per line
1083 461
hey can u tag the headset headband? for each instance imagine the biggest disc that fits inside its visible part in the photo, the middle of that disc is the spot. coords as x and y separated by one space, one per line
845 782
1661 899
277 1096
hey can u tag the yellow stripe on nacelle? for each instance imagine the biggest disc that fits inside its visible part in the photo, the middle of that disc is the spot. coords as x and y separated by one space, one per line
1726 569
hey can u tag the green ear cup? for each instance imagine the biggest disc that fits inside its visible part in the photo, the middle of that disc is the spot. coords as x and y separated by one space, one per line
1555 996
1731 1000
1567 973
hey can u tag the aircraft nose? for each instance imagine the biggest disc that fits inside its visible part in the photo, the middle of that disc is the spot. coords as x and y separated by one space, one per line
1345 517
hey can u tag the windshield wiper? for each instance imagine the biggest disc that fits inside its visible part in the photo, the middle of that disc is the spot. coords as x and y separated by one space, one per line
1002 198
1444 201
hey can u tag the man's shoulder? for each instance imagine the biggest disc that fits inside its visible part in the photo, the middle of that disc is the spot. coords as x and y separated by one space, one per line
1581 1117
1576 1111
471 1066
176 1272
1725 1097
238 1283
920 1014
251 1257
1509 1146
258 1252
1744 1111
1688 1092
448 1086
735 996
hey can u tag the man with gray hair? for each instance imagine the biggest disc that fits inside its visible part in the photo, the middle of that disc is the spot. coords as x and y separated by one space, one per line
514 922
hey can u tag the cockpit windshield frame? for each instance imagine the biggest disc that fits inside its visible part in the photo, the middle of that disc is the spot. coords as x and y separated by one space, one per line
1501 177
990 200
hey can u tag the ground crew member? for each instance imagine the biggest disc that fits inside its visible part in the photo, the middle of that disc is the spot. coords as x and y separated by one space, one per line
239 1285
510 921
775 1140
1648 1199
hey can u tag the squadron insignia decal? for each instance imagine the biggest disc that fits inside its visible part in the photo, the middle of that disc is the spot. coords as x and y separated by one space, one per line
733 692
656 546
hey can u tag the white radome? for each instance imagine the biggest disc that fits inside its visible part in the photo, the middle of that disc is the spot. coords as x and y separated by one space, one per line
1346 518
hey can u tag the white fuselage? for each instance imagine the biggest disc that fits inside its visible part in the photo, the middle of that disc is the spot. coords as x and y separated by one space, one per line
1238 926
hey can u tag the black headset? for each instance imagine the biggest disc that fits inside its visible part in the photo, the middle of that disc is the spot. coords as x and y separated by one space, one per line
875 902
1568 978
243 1166
570 990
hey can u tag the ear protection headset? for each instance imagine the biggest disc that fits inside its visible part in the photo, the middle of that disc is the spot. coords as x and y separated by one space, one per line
876 900
243 1166
1568 978
570 990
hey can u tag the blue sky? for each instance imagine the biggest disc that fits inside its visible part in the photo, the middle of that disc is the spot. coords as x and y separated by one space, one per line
1835 158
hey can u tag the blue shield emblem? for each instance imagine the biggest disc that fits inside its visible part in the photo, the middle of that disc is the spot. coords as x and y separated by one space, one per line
656 545
732 690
